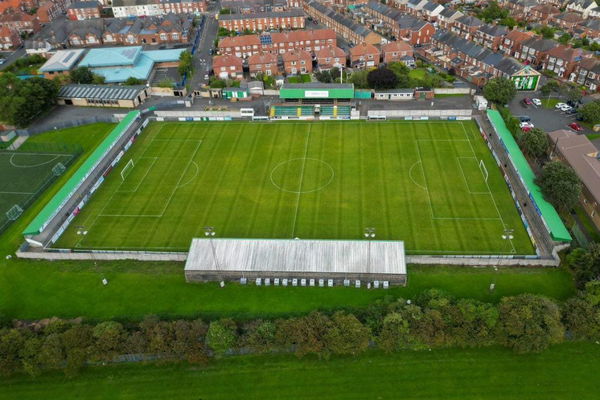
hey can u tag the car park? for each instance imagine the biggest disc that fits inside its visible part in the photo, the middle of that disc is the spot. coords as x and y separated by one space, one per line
524 118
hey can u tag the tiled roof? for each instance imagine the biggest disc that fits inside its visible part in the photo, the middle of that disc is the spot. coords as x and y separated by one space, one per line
398 45
226 61
362 49
262 58
294 12
296 55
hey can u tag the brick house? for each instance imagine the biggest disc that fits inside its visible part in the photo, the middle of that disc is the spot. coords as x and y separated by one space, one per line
48 11
590 28
582 7
329 57
401 26
277 43
345 27
228 66
82 10
466 26
587 73
542 13
431 11
292 19
9 38
171 28
256 6
447 17
20 21
364 55
562 60
512 44
139 8
396 51
297 62
535 50
567 20
265 63
490 36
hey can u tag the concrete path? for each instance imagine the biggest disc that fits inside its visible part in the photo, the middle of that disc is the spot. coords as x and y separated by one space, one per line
18 142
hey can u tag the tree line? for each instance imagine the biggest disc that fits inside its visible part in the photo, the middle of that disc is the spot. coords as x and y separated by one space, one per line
524 323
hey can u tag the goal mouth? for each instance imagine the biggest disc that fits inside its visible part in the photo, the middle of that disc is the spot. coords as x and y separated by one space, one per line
127 169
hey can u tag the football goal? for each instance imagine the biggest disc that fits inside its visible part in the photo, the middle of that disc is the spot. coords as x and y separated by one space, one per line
484 170
14 212
127 169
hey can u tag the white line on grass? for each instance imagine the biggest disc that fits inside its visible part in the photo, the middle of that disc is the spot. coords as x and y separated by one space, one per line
301 181
514 250
465 177
17 192
143 178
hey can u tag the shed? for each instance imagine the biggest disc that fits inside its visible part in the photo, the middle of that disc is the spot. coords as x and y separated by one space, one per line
424 93
395 94
103 95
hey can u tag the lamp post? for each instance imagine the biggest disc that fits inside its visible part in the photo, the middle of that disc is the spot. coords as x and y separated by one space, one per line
209 231
369 233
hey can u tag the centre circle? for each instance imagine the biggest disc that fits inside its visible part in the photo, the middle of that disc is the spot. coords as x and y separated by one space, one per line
302 175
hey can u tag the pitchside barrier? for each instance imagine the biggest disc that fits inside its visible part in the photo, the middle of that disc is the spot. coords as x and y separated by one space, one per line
47 226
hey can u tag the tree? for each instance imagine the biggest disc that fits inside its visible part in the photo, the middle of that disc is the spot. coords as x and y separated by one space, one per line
565 38
549 87
382 78
222 335
131 81
109 337
21 101
560 185
581 314
82 75
493 11
571 92
499 90
534 143
547 32
585 264
11 343
307 334
401 71
259 335
509 22
395 334
529 323
188 341
590 112
185 63
359 78
99 79
347 335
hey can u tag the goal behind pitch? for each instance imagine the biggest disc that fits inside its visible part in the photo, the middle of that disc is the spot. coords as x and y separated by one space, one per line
127 169
484 170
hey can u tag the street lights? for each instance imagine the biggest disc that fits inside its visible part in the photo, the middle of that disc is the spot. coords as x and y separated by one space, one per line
369 233
209 231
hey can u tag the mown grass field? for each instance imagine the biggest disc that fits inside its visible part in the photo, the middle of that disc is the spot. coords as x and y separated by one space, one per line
568 371
420 182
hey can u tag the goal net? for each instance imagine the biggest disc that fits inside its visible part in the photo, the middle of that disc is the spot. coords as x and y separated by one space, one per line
58 169
484 170
127 169
14 212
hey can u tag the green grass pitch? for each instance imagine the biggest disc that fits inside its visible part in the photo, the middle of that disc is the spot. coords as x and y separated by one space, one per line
420 182
24 174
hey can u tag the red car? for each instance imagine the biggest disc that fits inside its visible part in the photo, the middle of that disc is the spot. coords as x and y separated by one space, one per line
575 126
527 101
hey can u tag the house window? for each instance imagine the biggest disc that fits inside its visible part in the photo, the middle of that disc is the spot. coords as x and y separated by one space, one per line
175 36
163 36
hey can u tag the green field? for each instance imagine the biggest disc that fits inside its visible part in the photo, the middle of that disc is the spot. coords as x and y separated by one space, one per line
25 174
568 371
421 182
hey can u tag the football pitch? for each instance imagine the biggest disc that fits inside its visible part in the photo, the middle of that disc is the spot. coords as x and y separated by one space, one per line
24 176
432 184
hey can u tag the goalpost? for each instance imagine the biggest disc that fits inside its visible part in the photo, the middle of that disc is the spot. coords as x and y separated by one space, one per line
484 170
127 169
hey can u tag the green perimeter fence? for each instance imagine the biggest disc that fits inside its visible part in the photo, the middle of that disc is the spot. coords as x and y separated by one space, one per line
8 216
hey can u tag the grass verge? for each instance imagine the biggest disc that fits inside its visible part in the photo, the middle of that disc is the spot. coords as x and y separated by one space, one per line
567 371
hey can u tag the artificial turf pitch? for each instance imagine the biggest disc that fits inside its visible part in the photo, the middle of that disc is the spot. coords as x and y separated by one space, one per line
420 182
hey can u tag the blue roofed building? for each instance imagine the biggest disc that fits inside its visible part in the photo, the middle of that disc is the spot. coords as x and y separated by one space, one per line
116 64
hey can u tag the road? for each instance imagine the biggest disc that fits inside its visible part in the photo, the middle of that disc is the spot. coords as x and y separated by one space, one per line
203 59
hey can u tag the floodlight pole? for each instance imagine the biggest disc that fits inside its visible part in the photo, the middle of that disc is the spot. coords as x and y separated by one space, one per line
369 233
508 234
209 231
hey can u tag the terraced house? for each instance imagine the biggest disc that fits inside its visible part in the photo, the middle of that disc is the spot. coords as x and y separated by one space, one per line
264 63
258 22
535 50
490 36
400 25
587 73
343 26
562 60
244 46
466 26
329 57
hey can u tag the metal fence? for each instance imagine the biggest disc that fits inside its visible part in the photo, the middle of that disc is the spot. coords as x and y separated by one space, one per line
66 124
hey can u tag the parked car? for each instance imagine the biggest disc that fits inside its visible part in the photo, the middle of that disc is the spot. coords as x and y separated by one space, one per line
575 126
527 101
559 105
526 125
566 108
537 102
524 118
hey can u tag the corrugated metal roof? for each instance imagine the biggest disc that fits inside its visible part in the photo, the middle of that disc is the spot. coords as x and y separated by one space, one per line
289 256
100 92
